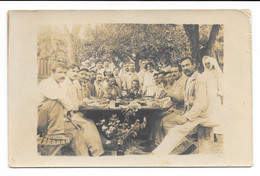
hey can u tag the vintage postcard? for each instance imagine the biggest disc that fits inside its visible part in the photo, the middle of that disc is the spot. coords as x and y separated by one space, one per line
137 88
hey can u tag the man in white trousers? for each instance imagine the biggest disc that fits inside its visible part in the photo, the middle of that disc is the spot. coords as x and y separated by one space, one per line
195 109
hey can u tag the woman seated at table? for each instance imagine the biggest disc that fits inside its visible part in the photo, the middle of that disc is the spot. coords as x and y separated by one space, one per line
111 90
135 91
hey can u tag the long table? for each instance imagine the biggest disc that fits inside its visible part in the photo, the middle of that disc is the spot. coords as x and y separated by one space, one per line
98 113
115 109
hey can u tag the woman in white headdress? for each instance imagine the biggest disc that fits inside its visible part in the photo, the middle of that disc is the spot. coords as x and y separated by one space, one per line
214 77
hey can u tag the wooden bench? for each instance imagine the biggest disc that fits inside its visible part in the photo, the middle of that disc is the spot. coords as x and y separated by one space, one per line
206 137
50 147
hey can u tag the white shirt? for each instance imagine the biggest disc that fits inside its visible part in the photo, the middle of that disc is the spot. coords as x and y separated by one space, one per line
50 89
99 89
149 83
128 79
71 91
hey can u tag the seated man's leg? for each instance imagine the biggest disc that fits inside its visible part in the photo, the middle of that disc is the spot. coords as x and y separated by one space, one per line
51 122
155 126
91 135
51 119
78 142
176 136
169 122
160 133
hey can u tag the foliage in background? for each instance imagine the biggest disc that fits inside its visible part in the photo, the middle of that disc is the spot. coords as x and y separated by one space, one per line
205 41
52 44
163 43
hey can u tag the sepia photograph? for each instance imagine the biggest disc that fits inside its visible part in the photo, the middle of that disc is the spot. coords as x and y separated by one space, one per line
120 87
130 89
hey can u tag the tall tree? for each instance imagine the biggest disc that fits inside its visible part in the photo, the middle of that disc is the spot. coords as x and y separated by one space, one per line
198 51
163 43
72 38
212 38
192 31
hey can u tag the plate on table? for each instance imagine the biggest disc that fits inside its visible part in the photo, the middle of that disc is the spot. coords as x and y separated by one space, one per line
97 105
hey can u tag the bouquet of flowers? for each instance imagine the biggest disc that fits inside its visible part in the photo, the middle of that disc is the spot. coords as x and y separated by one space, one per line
117 131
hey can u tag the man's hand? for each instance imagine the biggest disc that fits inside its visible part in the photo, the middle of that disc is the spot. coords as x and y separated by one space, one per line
181 120
171 109
81 103
69 114
174 96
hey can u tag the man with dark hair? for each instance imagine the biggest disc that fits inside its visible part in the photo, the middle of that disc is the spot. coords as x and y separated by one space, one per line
129 77
169 80
111 91
195 108
56 65
159 96
91 135
117 76
155 77
176 72
135 91
159 88
90 83
68 84
148 66
187 58
99 65
161 79
176 92
53 102
99 86
81 84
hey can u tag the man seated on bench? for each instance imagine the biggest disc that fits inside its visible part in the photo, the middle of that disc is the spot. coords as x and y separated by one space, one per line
176 92
91 134
53 103
195 108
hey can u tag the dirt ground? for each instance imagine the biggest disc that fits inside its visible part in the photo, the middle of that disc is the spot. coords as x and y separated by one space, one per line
188 147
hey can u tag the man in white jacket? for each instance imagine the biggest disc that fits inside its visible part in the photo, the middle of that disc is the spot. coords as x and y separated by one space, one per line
195 108
53 103
91 134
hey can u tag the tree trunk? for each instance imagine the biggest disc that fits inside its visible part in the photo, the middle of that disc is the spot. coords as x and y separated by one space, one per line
212 38
135 58
137 66
71 39
192 31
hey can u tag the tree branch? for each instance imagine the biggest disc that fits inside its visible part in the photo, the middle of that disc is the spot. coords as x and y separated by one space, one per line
212 38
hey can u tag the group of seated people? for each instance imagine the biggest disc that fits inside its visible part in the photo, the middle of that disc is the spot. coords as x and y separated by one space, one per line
193 98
